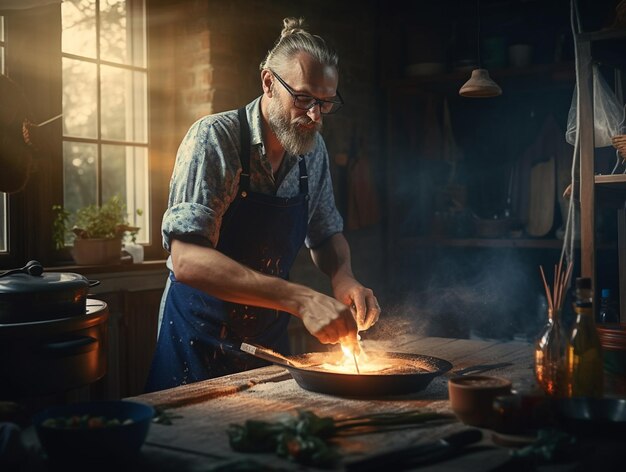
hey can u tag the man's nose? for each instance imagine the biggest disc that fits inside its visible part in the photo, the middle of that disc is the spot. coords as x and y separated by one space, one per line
315 113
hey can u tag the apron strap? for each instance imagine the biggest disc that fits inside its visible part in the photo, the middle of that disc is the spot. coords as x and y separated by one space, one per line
304 178
244 144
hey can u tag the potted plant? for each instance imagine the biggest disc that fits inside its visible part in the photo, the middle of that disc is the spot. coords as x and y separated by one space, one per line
96 231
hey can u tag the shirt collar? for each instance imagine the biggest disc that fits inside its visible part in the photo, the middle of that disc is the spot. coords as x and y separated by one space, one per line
253 111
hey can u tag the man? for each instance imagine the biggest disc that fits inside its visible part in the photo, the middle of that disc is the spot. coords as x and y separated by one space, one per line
249 187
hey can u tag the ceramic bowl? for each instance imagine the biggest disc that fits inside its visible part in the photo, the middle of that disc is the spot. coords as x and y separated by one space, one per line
472 396
593 416
93 430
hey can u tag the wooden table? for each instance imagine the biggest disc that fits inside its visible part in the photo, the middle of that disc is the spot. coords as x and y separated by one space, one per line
197 440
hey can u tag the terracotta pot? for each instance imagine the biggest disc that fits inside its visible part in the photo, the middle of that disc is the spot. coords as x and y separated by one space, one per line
472 396
97 251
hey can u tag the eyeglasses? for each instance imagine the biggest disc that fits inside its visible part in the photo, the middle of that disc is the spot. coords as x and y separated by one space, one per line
306 102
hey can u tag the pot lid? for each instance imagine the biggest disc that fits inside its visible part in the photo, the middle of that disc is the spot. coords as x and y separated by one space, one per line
49 281
31 278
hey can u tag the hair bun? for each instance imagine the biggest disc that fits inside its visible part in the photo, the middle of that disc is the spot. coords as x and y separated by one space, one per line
292 26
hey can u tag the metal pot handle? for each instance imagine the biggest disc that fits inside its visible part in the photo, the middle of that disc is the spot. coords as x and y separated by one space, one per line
69 347
93 283
31 268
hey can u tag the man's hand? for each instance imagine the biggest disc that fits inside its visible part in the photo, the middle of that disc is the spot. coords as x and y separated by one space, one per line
333 258
349 291
328 319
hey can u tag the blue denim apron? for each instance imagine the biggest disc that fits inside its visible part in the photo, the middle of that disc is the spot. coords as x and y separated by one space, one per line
200 335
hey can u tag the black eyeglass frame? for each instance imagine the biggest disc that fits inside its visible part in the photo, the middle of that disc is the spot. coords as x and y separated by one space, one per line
315 101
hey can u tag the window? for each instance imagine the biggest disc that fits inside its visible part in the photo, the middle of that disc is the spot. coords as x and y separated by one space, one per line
105 108
3 196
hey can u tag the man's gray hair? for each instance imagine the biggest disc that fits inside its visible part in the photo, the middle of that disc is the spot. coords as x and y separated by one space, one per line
295 39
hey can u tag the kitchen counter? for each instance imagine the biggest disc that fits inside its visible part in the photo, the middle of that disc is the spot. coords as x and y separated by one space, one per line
197 440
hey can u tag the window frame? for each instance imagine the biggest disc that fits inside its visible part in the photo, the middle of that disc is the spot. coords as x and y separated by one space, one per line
33 60
4 203
136 25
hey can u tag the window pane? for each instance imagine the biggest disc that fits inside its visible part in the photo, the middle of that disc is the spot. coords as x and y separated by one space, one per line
140 108
115 102
123 104
137 194
125 173
138 38
80 172
113 31
80 96
113 172
79 27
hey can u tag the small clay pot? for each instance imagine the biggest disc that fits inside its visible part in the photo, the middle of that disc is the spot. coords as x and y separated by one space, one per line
471 398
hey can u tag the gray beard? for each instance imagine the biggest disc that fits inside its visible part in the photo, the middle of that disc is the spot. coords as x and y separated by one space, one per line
295 140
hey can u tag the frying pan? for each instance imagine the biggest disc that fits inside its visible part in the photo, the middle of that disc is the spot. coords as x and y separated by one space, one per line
302 369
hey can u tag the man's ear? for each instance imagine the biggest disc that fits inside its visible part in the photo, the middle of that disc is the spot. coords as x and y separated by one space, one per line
266 82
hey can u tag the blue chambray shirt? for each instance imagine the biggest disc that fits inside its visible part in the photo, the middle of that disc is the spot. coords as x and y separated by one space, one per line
206 179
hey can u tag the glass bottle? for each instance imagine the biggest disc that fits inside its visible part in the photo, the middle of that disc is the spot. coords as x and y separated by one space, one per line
584 359
607 311
551 357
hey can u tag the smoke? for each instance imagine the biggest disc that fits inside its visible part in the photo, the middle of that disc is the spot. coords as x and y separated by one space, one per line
477 294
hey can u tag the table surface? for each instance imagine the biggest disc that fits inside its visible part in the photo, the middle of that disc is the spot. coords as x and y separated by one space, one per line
201 412
197 439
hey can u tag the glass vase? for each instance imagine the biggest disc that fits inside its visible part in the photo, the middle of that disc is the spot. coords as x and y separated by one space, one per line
551 357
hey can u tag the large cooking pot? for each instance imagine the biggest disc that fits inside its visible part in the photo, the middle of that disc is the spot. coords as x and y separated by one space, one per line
303 369
49 357
52 337
28 294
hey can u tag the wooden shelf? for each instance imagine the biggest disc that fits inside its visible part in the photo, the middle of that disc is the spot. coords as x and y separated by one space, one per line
483 242
558 72
603 35
615 180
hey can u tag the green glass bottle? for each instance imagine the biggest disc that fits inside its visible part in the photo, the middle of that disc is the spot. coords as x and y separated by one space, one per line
584 359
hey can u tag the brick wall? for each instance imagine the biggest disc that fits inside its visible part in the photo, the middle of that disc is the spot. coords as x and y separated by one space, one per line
221 44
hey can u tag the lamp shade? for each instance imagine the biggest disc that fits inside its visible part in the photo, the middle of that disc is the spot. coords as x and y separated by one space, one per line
480 85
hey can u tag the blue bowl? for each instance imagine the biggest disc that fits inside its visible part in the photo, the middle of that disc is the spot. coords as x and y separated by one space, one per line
126 430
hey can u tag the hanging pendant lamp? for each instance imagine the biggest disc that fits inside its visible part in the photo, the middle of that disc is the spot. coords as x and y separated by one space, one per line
480 85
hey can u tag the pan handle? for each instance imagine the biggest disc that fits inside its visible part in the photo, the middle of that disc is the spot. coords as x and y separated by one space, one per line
266 354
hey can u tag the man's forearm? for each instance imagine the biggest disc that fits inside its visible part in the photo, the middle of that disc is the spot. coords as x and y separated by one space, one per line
222 277
333 257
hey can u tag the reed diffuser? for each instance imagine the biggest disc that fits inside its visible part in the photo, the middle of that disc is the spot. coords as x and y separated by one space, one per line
552 345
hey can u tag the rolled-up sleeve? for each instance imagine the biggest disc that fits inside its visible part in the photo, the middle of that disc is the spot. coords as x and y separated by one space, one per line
203 184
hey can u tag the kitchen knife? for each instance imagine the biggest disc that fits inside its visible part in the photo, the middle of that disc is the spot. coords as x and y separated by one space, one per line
412 456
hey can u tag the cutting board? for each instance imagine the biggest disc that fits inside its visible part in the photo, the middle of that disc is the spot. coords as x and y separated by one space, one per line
541 198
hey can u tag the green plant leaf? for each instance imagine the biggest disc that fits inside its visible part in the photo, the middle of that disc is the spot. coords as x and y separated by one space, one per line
107 221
